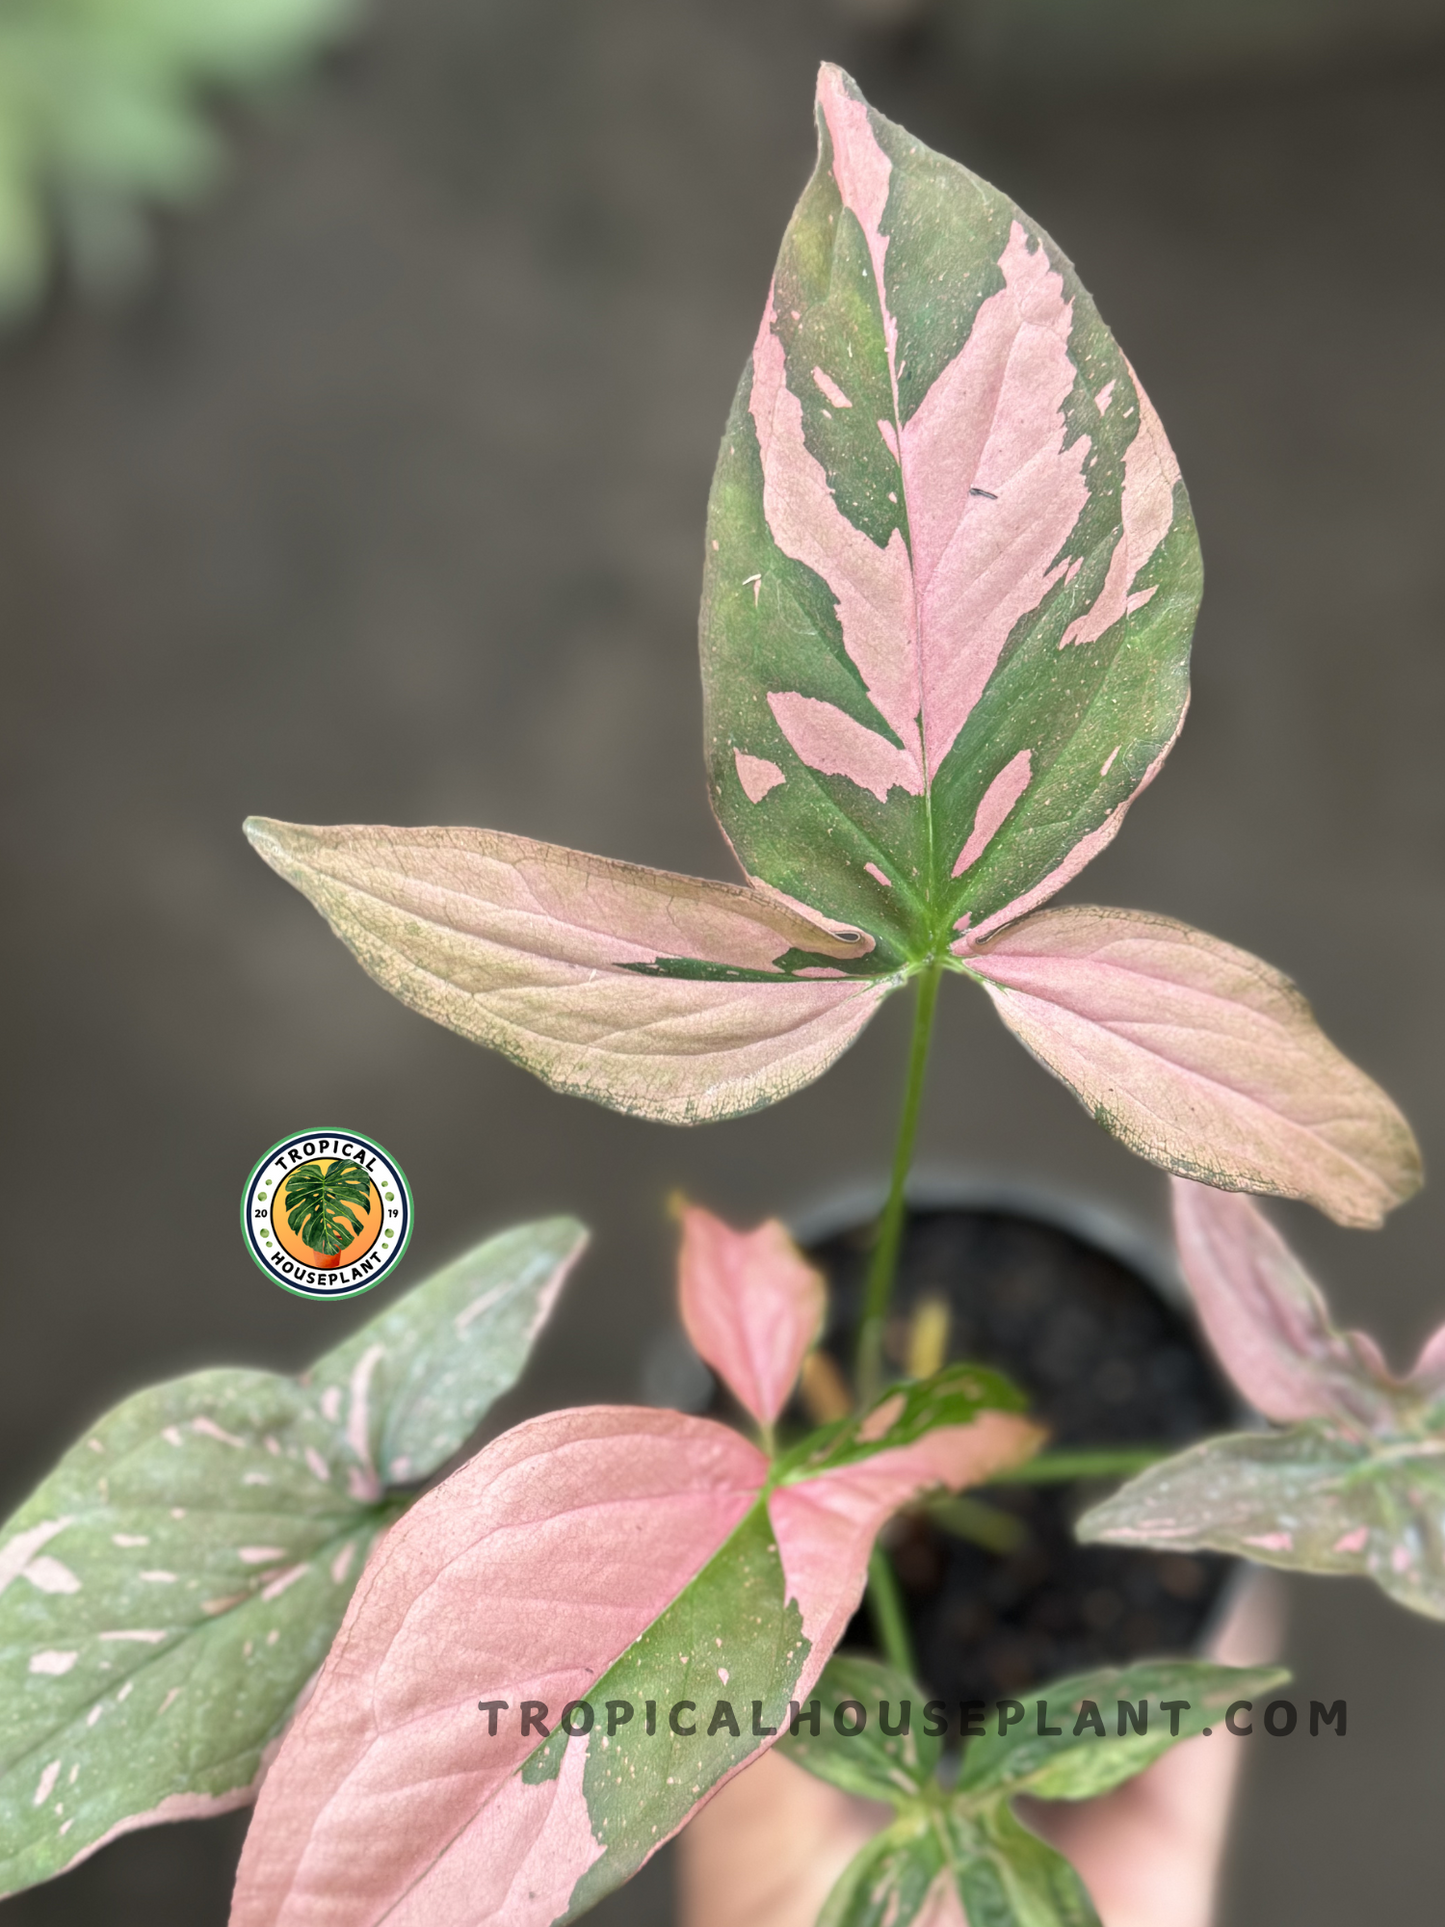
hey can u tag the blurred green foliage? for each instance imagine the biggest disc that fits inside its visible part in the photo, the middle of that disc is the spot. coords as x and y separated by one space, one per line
103 108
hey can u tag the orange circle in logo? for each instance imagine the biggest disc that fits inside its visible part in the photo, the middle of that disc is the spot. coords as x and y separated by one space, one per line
371 1221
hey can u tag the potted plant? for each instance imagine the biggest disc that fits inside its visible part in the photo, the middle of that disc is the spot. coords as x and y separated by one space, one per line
951 577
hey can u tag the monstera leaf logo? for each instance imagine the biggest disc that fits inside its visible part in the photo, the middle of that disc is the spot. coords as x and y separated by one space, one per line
319 1200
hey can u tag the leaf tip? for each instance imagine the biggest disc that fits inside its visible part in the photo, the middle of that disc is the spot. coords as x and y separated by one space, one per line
268 838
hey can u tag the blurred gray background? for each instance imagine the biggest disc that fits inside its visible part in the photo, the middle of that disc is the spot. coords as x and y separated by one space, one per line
385 503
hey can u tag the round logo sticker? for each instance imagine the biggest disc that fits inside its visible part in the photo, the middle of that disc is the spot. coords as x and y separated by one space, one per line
326 1214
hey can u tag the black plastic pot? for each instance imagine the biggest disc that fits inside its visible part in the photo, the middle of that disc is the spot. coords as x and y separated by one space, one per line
1088 1329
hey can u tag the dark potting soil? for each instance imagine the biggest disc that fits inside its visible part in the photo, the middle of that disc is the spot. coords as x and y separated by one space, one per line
1105 1360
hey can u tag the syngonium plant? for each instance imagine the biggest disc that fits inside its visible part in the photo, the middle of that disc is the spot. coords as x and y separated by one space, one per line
695 1586
951 577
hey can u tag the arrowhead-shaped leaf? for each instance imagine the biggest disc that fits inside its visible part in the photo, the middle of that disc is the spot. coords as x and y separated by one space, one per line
946 621
1081 1760
951 569
751 1304
664 996
1267 1319
867 1760
171 1587
1310 1499
1200 1057
623 1557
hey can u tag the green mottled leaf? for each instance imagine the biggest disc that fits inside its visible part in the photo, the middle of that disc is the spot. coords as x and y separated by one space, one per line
888 1882
172 1586
1311 1499
999 1874
1080 1760
1007 1877
168 1591
425 1371
868 1761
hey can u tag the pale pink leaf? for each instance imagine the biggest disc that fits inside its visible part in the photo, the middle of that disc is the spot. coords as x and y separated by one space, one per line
524 1575
1264 1315
1428 1377
751 1306
1200 1058
608 980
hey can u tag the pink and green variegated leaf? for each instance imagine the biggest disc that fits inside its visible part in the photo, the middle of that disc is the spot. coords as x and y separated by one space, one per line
1267 1319
622 1557
951 569
1199 1057
1311 1499
664 996
751 1304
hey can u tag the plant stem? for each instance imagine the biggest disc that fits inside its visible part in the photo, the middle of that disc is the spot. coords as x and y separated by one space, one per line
883 1265
1107 1462
890 1621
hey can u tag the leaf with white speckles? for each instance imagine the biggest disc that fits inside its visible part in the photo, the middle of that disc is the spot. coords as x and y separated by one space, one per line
897 1880
1088 1754
167 1592
414 1383
962 1855
1310 1499
171 1587
1356 1485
